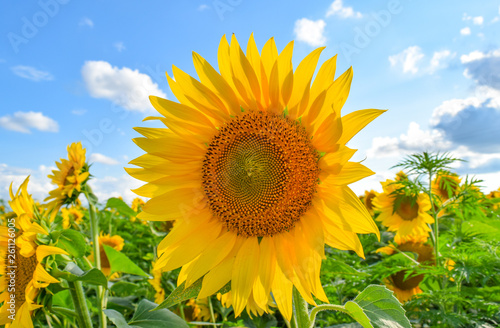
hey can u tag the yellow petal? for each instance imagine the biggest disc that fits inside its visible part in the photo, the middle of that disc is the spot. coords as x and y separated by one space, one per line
353 122
350 173
245 270
42 278
43 251
176 203
217 278
282 293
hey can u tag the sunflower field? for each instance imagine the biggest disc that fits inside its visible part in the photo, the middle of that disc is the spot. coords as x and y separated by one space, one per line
246 218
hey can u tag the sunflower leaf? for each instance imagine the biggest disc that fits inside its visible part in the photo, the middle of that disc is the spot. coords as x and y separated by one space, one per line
120 206
117 318
145 318
119 262
93 276
73 242
376 307
181 293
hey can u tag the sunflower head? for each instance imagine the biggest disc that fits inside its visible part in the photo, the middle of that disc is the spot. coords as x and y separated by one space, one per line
137 204
71 175
400 176
402 212
367 200
72 214
253 165
18 237
446 185
406 288
115 242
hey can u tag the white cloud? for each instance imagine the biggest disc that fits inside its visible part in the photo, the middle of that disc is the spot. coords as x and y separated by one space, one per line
31 73
78 112
477 55
85 21
109 186
408 59
465 31
123 86
477 20
415 140
203 7
310 32
338 9
474 159
103 159
25 121
440 60
119 46
39 184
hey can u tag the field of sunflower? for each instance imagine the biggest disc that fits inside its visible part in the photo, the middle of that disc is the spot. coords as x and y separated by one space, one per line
246 219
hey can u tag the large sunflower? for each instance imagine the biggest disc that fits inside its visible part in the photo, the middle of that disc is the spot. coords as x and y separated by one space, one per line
404 214
405 289
71 175
254 169
23 274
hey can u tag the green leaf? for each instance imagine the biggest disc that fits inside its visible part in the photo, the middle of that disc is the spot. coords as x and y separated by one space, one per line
377 307
93 276
121 263
181 293
145 318
73 242
120 206
117 318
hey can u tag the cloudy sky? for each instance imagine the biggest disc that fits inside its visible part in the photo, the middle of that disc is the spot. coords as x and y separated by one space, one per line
82 71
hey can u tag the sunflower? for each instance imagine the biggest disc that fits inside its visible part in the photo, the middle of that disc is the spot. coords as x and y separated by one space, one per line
493 195
70 215
253 166
400 176
137 205
446 185
402 213
23 274
198 310
405 289
367 200
71 175
157 284
115 242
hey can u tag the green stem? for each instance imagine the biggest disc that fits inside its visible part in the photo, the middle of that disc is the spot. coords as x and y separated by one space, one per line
83 316
94 228
301 311
436 225
211 308
324 307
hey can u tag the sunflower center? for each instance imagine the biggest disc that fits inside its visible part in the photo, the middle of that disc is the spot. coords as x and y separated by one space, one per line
425 256
407 209
19 272
260 173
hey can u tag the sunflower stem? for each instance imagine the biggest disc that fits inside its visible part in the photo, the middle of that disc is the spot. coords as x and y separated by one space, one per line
324 307
94 227
301 311
436 224
80 302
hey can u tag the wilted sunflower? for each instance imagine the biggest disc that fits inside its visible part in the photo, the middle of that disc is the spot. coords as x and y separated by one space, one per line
115 242
405 289
402 213
254 168
446 185
71 175
22 265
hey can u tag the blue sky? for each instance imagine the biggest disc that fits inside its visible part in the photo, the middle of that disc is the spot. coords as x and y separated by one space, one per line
81 71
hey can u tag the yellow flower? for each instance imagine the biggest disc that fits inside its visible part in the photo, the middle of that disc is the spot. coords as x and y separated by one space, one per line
22 262
156 283
137 204
400 176
405 289
71 175
71 214
367 199
113 241
440 183
200 310
253 167
404 214
492 195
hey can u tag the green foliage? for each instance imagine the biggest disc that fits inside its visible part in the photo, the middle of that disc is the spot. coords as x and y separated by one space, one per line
121 263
